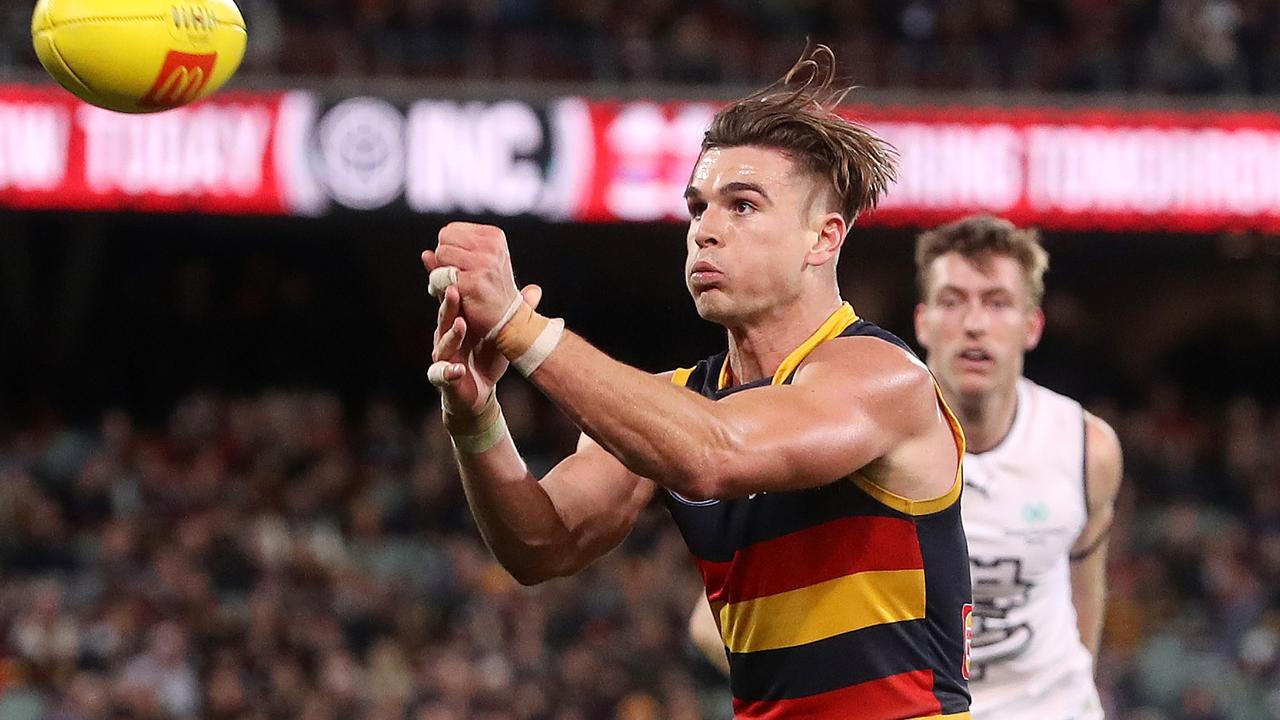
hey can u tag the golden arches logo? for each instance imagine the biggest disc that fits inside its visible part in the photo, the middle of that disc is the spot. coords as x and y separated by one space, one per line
180 80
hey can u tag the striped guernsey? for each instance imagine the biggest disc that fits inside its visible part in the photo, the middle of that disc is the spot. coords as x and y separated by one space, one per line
840 601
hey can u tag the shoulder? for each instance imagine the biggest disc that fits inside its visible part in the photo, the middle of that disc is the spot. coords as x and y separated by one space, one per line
1104 460
867 358
872 370
1051 401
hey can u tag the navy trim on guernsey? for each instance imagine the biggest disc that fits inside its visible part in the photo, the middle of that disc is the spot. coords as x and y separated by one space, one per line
1084 459
743 546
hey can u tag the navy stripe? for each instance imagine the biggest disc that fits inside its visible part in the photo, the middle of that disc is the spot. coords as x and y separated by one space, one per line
862 328
947 588
715 532
836 662
1084 460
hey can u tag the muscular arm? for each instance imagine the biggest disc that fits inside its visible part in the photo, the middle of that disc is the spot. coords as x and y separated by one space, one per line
537 529
554 527
1104 468
852 402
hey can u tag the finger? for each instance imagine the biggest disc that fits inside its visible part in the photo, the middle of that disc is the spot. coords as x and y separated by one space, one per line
532 295
440 279
455 234
451 342
459 257
450 307
436 374
467 234
443 373
429 260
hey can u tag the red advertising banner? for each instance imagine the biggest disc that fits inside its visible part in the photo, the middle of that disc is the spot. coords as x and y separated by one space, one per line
220 156
1084 169
581 160
1072 169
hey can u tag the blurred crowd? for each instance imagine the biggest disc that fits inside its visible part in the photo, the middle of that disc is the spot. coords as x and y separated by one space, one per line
1173 46
270 557
284 554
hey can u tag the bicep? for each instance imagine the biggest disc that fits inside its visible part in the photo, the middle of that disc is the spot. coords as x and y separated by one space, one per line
598 500
834 419
1104 470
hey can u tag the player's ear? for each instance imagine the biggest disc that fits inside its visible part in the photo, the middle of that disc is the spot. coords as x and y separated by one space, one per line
1035 328
830 230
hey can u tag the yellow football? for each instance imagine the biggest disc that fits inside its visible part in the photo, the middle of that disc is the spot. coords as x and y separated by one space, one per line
139 56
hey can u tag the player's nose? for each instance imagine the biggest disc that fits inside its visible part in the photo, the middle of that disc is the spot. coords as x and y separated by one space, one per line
975 321
710 230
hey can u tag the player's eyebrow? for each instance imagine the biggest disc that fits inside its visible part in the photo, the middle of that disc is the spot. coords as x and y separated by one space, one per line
691 192
742 186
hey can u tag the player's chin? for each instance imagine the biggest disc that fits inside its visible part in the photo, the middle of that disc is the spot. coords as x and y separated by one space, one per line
713 305
974 385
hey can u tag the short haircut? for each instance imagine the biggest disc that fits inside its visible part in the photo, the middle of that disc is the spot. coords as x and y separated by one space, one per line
978 238
797 115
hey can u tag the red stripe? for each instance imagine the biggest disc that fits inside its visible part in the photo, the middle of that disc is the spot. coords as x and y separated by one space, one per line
813 555
714 575
897 697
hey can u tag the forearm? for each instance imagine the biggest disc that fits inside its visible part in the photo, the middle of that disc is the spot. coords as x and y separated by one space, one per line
656 429
516 517
1089 595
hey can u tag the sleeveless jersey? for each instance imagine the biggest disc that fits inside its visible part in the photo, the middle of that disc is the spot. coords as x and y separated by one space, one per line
1024 508
839 601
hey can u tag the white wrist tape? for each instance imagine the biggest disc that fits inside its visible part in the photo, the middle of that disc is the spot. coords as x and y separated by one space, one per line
483 441
542 346
509 313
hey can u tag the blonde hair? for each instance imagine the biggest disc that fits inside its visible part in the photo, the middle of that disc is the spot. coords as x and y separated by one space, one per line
978 238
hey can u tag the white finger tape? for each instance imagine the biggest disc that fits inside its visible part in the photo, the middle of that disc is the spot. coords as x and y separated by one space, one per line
441 278
435 373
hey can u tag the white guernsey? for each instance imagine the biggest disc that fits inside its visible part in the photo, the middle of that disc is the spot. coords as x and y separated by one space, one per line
1041 476
1024 507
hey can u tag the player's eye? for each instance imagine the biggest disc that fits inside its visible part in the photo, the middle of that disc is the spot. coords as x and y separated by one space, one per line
695 210
743 207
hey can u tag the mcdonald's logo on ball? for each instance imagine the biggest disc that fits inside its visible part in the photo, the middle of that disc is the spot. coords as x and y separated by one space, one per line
182 77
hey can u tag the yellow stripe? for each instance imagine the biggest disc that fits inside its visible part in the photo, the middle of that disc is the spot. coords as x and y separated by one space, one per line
951 716
681 376
835 324
824 610
932 505
722 380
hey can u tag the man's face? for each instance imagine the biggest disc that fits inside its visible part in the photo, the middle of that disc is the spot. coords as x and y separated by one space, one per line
754 224
976 323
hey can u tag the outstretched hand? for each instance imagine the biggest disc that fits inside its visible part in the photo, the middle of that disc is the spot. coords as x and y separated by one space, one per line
484 279
463 367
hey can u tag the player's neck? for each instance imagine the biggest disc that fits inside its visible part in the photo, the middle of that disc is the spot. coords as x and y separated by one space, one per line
758 347
988 419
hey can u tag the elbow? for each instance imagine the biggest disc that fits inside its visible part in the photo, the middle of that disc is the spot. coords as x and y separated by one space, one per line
540 564
527 577
529 574
713 475
531 568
